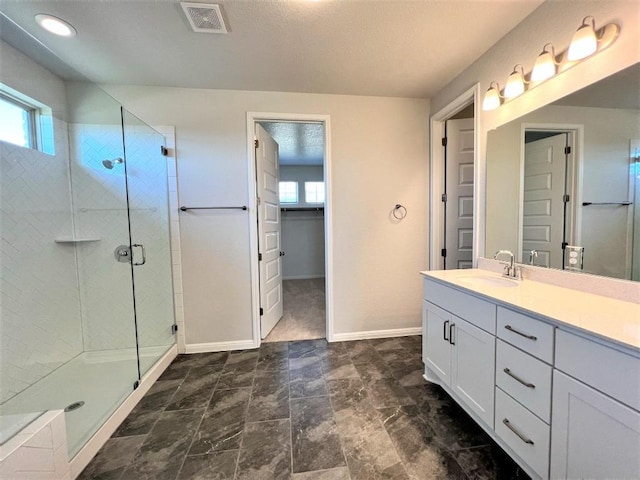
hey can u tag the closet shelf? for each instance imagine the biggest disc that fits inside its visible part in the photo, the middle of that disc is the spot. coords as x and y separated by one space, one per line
75 240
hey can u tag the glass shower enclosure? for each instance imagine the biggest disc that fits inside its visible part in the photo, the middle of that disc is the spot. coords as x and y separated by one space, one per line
85 260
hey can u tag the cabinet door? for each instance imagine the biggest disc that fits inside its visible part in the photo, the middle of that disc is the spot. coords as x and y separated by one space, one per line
592 435
438 349
473 368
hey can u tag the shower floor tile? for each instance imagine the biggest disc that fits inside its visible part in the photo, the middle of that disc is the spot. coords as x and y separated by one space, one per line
301 410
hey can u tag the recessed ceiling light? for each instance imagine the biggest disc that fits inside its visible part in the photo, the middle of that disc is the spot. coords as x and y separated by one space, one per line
55 25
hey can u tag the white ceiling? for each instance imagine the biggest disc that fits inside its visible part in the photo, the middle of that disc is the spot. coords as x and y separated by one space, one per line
361 47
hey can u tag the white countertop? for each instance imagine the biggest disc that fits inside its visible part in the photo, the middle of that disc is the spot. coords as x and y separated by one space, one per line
611 319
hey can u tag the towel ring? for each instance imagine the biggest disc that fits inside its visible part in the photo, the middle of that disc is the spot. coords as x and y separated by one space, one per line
399 212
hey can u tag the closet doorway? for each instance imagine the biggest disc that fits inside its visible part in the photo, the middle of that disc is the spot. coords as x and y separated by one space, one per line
302 250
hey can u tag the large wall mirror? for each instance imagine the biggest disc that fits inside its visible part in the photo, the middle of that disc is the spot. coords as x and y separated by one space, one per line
563 182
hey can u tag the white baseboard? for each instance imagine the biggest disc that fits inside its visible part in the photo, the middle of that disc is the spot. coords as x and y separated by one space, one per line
394 332
220 346
95 443
303 277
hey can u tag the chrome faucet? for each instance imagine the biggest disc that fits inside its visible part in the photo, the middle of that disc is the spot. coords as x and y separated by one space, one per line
511 270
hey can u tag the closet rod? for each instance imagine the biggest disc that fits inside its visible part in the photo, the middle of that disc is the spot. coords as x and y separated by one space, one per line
184 209
302 209
586 204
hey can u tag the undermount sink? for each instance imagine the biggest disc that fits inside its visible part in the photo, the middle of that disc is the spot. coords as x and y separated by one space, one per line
488 281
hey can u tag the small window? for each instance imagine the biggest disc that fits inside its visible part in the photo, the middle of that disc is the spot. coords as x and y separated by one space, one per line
17 122
314 192
288 192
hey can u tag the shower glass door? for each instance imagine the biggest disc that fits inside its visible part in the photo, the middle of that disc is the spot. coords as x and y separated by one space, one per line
146 171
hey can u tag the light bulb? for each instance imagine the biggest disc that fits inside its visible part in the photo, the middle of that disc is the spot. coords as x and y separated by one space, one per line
584 41
515 83
492 97
545 66
55 25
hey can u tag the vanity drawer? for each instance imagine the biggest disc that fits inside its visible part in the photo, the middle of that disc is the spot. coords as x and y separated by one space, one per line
525 378
606 369
479 312
523 432
526 333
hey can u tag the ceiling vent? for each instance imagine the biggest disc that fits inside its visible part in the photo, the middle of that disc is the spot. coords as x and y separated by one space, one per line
204 17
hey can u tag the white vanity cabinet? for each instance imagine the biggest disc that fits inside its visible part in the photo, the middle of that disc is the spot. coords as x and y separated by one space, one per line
523 387
562 401
596 422
459 355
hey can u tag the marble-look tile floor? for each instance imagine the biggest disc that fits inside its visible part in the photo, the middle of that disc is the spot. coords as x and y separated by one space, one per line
303 410
303 316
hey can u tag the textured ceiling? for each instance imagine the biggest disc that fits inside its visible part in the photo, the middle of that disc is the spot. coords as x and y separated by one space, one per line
299 143
367 47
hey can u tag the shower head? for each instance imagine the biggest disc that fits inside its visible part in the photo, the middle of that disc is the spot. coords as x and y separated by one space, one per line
110 163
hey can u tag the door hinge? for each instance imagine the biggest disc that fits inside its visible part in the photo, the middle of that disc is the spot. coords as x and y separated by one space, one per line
443 252
567 150
256 143
136 384
164 151
259 257
261 311
258 201
444 141
174 328
566 198
564 245
444 197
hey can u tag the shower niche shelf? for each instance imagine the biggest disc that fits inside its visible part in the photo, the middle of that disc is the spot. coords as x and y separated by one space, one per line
76 239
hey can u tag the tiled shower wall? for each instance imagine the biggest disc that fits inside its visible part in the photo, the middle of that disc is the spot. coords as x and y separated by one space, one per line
40 322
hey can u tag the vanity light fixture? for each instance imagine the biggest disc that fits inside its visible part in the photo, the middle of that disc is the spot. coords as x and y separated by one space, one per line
492 99
586 42
515 83
545 66
55 25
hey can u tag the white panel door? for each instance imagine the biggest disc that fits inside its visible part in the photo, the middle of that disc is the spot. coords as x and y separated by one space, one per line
543 207
459 185
593 436
269 232
473 367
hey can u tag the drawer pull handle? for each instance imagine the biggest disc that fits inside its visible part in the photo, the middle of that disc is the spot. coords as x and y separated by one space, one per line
513 375
513 429
451 334
444 331
530 337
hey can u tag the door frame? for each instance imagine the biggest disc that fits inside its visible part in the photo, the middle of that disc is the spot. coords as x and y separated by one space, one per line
576 133
252 119
436 174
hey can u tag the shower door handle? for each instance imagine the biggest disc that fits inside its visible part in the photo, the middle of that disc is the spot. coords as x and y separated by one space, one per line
144 254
